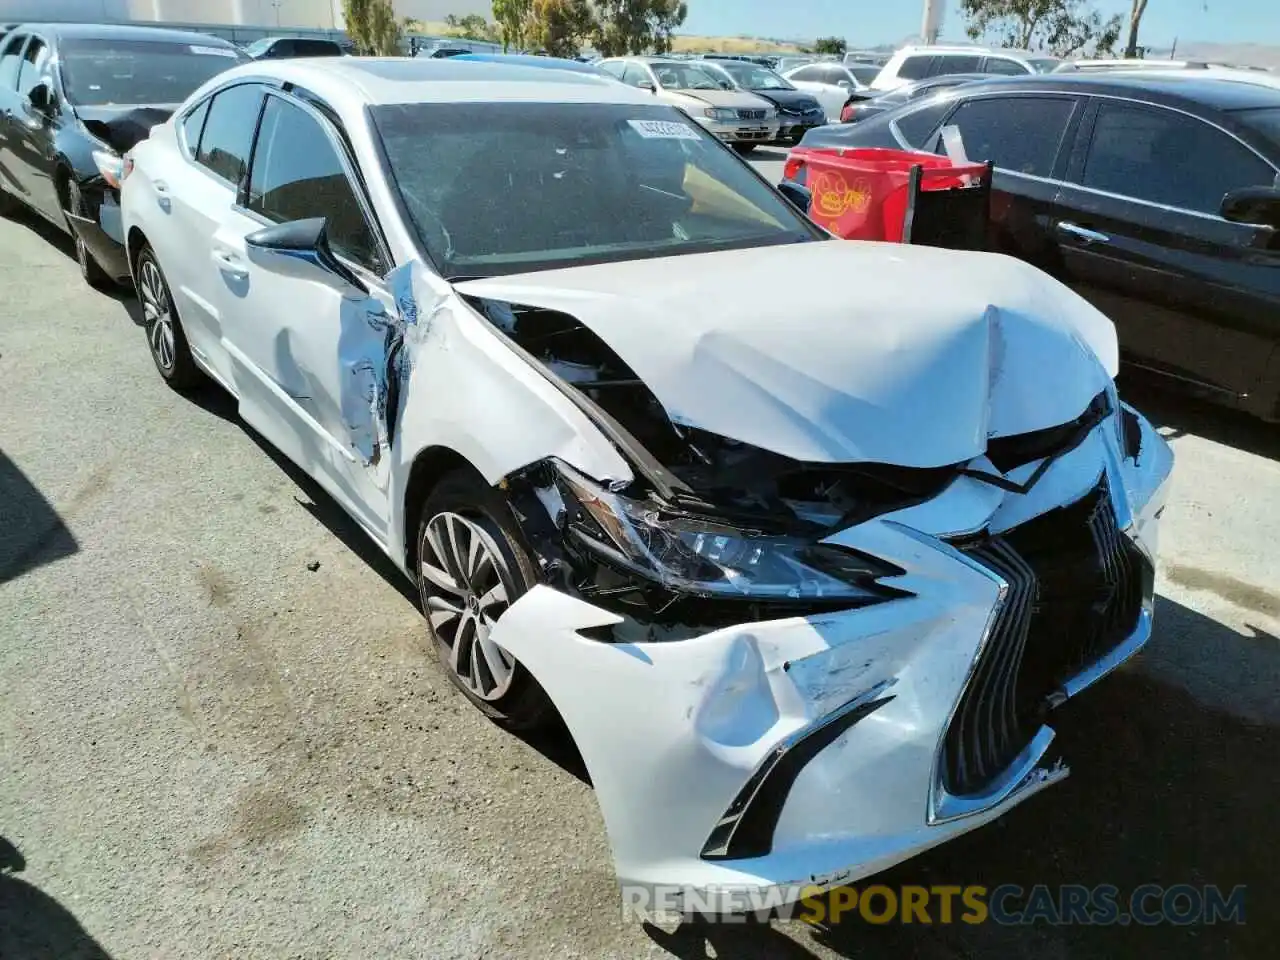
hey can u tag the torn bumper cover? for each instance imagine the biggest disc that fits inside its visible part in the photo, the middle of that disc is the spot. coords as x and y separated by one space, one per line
911 704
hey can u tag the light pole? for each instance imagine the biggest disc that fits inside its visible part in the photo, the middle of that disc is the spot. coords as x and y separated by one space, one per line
931 21
276 4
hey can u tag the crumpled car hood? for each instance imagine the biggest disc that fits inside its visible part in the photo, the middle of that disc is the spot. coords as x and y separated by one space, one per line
842 351
122 128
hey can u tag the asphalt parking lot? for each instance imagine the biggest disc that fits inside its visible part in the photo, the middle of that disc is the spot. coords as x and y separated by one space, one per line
220 734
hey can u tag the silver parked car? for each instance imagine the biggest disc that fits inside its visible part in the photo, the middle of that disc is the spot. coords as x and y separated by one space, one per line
733 115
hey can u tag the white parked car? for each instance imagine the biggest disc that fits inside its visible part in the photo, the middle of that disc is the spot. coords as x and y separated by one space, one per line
919 63
735 116
804 570
833 83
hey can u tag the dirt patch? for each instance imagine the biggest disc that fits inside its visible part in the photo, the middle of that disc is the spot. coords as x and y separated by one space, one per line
1245 595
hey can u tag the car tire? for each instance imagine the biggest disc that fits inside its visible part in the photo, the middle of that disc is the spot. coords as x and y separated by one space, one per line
744 148
472 565
90 271
165 338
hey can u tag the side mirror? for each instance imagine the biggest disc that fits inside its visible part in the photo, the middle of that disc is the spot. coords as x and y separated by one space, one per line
647 85
301 249
1259 206
41 98
800 196
844 83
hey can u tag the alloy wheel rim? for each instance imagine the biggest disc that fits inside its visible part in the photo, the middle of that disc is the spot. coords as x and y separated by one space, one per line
157 313
464 583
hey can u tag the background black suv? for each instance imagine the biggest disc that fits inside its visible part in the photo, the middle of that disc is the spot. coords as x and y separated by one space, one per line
1115 184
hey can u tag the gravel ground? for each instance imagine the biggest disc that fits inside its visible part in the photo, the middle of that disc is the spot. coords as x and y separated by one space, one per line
208 748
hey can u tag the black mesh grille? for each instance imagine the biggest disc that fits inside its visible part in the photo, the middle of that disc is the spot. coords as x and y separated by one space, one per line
1076 589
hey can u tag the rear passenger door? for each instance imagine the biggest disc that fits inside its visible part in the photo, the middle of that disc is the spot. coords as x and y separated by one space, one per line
192 198
1025 136
1138 227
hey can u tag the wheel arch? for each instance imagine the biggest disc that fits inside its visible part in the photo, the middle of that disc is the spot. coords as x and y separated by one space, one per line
134 241
430 466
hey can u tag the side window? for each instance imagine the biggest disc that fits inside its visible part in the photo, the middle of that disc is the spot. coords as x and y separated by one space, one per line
915 127
808 74
955 64
1020 134
1009 68
281 48
297 174
636 75
915 68
35 64
10 61
613 67
192 124
1169 158
228 132
835 75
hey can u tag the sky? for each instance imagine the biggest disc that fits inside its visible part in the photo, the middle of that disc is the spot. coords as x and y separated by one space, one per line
871 22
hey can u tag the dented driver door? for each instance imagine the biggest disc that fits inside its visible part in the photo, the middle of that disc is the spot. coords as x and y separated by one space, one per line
310 330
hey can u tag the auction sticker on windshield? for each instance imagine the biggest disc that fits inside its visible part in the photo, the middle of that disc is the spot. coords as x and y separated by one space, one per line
663 130
213 51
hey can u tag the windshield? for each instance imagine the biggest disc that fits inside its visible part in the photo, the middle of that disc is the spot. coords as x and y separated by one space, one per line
259 46
501 188
97 73
1044 64
685 76
753 77
864 74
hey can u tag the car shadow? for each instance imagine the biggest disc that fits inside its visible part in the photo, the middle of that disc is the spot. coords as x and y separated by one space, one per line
33 925
1164 789
1179 414
32 533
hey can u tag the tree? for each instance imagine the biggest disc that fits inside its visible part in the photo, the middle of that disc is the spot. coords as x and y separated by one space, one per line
513 18
471 27
834 45
636 26
373 27
558 27
1062 27
1135 18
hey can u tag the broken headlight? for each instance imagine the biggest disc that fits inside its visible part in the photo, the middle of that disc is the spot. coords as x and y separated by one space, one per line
703 556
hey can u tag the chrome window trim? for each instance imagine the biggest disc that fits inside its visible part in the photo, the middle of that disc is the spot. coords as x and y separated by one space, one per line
902 141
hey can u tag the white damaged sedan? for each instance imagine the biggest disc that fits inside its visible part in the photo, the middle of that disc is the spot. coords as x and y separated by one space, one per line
805 571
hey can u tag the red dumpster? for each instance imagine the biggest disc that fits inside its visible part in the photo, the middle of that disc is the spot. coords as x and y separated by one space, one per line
862 194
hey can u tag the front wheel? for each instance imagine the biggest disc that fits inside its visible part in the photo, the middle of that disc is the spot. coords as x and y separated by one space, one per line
471 568
168 343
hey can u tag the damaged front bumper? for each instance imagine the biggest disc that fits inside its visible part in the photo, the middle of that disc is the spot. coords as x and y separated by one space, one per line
811 751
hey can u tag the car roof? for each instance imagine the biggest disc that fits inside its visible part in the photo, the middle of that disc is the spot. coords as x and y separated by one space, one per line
357 81
1174 88
962 48
120 31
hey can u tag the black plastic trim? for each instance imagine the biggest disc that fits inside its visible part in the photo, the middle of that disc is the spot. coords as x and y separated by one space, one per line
746 830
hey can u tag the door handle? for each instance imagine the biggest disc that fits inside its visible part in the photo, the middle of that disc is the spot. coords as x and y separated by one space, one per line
230 264
160 186
1082 233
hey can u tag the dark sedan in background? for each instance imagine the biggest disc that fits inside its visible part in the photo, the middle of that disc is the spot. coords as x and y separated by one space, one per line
1154 196
798 112
73 99
864 105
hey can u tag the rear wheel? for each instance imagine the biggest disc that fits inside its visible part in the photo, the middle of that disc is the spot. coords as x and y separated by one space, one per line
168 343
471 568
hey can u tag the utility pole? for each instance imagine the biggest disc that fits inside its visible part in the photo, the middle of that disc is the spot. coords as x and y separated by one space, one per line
276 4
931 21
